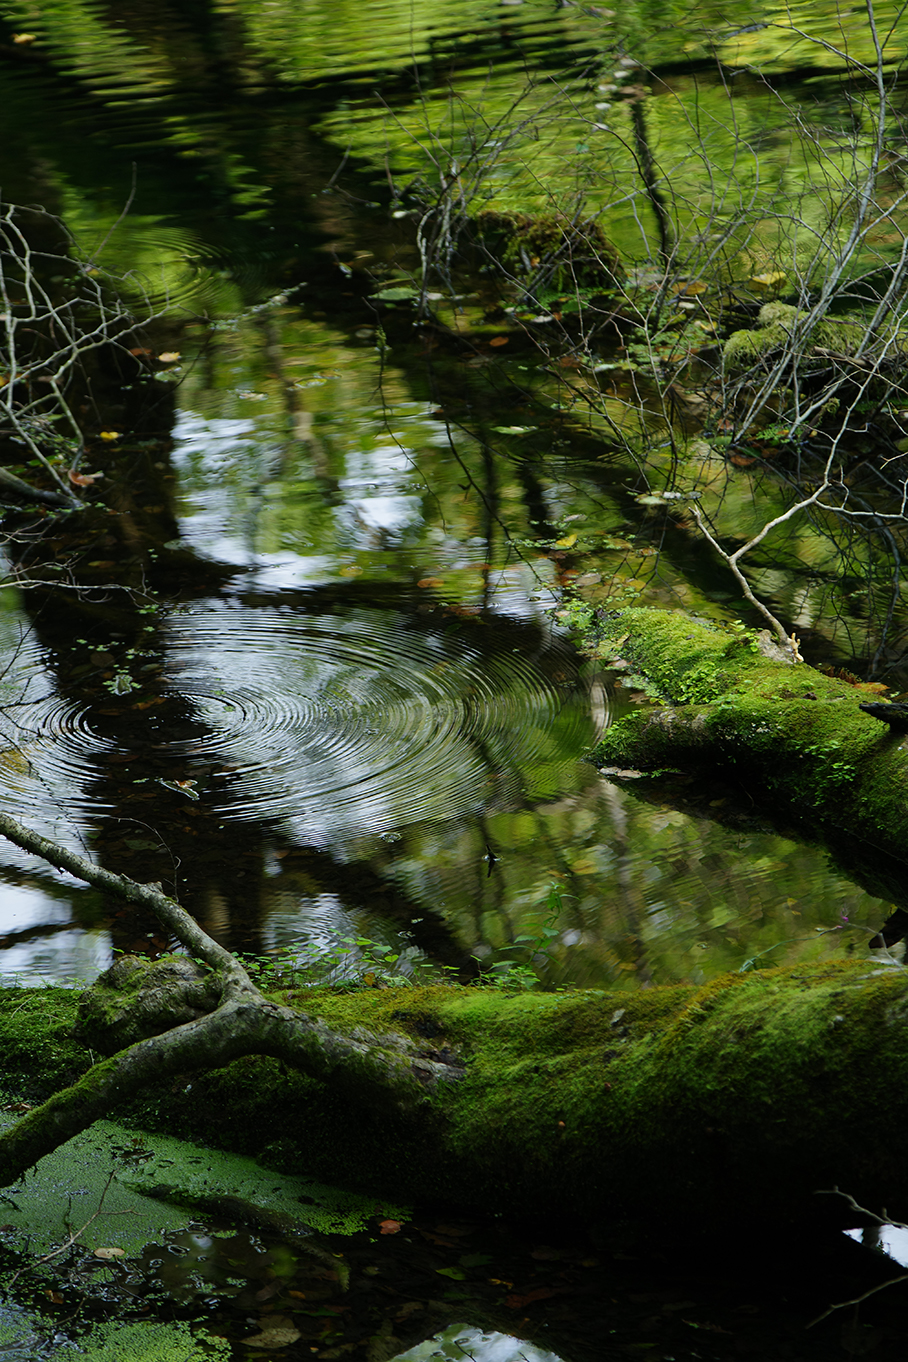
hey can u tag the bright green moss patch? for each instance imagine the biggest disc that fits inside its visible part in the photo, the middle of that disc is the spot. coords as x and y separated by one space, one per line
146 1341
738 1098
791 733
777 323
37 1049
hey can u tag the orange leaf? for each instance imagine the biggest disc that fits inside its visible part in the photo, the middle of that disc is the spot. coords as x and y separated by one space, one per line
431 581
83 479
499 340
390 1226
542 1293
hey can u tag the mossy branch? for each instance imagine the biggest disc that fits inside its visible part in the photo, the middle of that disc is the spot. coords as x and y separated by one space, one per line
231 1018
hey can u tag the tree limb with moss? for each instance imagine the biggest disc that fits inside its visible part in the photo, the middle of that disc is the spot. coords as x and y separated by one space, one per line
742 1097
791 735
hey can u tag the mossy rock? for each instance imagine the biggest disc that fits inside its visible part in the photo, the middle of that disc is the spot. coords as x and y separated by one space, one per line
553 251
777 323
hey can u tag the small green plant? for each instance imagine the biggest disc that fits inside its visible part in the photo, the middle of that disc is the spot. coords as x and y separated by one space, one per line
350 963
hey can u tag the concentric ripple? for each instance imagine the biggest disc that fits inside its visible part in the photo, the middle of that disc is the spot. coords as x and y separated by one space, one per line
49 749
367 721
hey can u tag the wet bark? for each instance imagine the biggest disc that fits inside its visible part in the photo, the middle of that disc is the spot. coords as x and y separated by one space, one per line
179 1017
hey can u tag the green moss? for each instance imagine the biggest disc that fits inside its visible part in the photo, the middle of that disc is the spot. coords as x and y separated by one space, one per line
777 323
555 249
794 734
146 1342
741 1097
37 1048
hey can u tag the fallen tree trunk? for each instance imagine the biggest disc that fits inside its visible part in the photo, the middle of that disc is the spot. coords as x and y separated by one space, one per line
793 737
744 1097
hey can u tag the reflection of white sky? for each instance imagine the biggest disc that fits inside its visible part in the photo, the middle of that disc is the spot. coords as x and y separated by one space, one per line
319 920
467 1342
892 1239
60 957
211 445
64 958
383 495
24 906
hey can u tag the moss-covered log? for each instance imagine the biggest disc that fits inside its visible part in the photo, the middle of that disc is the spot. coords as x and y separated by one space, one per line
793 737
744 1097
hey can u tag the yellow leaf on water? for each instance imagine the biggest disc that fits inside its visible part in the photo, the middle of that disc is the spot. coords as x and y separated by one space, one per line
169 356
14 759
23 39
687 288
567 542
110 1253
110 434
351 570
772 279
430 581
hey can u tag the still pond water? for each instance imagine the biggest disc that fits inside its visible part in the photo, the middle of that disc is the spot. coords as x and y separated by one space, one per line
337 711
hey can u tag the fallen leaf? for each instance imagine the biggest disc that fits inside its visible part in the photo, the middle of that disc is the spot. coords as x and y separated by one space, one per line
770 280
351 570
692 286
456 1274
184 787
409 1308
431 581
279 1332
108 1253
83 479
390 1226
542 1293
499 340
23 39
110 435
169 356
567 542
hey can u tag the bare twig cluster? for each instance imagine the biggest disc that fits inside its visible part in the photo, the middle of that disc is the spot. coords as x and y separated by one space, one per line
58 311
765 313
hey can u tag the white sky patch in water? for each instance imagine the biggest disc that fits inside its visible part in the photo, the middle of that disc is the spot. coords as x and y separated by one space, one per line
889 1239
461 1343
67 957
